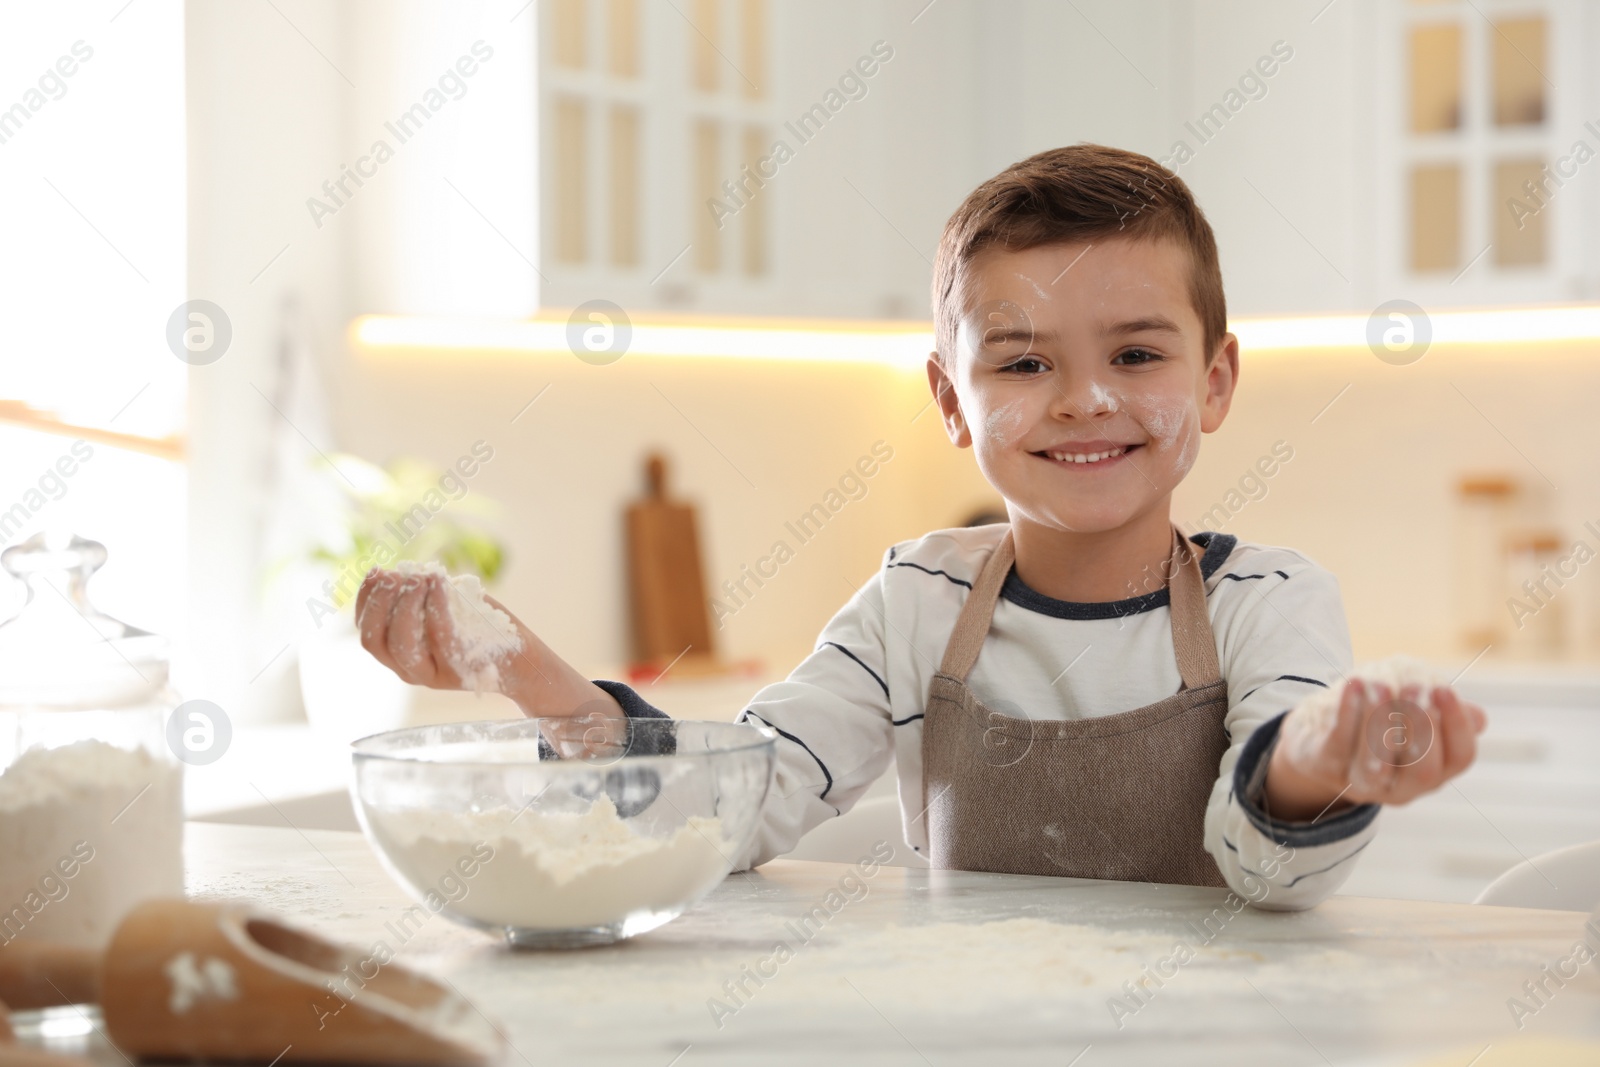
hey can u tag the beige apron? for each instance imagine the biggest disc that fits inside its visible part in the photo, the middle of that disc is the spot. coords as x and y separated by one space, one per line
1117 796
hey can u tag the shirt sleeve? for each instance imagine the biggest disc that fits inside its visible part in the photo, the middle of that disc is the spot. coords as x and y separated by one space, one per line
1287 638
831 715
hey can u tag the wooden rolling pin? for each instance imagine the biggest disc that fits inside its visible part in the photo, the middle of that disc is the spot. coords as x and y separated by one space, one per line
190 981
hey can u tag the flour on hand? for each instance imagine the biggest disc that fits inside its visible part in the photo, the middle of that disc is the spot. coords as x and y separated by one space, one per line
1306 729
485 636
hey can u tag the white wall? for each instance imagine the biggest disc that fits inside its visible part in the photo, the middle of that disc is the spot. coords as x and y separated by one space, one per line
1371 491
281 101
266 127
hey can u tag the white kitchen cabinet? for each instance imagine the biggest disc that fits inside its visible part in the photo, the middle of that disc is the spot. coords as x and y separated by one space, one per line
651 114
789 158
786 158
1486 126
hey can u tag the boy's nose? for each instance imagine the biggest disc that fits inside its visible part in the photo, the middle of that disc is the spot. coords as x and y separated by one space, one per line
1085 399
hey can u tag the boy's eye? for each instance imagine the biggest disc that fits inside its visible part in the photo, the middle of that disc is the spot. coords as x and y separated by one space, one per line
1133 357
1025 365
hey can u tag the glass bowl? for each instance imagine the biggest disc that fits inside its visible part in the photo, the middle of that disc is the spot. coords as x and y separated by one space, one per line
559 833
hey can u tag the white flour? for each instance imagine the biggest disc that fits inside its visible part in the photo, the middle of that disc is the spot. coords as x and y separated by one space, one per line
485 635
1104 399
1164 418
111 817
1314 718
194 980
556 870
1004 423
980 967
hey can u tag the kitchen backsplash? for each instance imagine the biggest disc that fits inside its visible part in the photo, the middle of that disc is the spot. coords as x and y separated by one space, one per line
1353 461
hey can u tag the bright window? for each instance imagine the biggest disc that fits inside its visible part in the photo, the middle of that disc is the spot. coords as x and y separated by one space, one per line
92 267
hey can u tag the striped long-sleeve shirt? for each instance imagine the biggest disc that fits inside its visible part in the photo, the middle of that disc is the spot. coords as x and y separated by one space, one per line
859 698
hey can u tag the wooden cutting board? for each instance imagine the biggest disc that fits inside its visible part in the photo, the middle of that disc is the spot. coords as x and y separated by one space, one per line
667 592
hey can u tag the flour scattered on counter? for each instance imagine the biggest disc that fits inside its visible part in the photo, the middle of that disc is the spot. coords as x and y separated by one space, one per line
87 831
556 870
1004 963
974 970
453 1018
484 634
1038 951
1315 717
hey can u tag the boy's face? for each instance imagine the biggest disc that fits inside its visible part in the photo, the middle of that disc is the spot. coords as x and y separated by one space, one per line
1072 351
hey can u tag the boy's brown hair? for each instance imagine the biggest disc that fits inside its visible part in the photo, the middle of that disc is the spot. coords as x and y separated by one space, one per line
1084 192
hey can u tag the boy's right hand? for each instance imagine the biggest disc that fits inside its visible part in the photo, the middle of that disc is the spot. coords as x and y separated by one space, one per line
404 621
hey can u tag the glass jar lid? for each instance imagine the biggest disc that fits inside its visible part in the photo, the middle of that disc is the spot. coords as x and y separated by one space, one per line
59 651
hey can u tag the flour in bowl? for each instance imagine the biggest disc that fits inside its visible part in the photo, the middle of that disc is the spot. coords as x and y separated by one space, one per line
484 634
87 831
554 870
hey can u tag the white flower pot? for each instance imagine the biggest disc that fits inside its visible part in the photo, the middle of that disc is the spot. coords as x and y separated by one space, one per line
348 694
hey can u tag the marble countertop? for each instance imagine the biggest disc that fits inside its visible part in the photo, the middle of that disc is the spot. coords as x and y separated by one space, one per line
926 967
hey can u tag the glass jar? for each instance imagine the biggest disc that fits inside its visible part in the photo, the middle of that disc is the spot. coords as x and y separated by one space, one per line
1484 512
1536 608
91 795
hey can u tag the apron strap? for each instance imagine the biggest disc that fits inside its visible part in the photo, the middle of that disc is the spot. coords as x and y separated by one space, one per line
972 625
1192 638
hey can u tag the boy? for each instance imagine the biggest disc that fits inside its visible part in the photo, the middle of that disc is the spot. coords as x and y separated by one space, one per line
1043 720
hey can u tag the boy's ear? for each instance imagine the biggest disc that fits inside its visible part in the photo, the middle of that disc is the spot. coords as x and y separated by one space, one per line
1222 376
944 392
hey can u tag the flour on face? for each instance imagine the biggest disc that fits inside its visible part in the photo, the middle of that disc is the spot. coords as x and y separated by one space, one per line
1167 420
1104 399
1038 291
1188 453
1003 425
1172 423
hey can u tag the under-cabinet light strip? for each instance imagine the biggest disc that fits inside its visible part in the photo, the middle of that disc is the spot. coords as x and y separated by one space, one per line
907 345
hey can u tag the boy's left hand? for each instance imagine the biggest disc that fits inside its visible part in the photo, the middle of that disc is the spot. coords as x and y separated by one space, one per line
1382 748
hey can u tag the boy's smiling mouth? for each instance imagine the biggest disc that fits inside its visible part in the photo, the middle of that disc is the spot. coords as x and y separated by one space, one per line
1088 454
